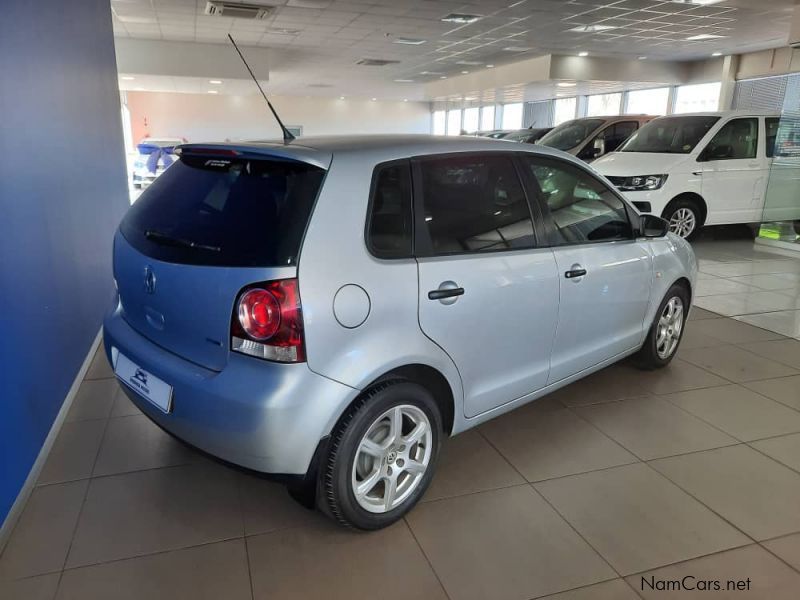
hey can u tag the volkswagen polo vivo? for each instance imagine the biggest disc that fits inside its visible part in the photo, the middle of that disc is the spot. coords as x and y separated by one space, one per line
327 310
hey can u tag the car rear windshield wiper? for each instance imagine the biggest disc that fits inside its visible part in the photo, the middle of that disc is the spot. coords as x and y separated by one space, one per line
168 240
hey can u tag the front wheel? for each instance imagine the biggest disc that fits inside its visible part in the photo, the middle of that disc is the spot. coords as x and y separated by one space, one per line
382 456
684 218
665 333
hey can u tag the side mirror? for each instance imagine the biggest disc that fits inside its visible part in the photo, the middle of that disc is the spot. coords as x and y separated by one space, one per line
598 147
720 152
651 226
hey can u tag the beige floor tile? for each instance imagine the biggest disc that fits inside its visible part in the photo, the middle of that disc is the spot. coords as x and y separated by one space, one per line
785 390
678 376
616 589
74 452
784 449
779 281
786 352
42 587
468 464
208 572
327 562
608 385
123 407
94 400
267 506
553 444
100 369
757 494
490 545
151 511
40 541
735 364
136 443
732 332
785 322
653 428
715 287
637 519
692 338
787 547
739 412
753 574
700 314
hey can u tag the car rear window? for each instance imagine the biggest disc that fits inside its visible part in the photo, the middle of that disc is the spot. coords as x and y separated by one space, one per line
225 212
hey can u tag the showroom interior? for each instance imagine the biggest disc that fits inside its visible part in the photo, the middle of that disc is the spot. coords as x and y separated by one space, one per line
622 483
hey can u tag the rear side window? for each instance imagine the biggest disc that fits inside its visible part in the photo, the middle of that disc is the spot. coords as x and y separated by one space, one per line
390 221
225 212
772 124
582 208
474 203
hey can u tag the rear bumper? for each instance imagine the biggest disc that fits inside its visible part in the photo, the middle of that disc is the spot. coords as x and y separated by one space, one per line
264 416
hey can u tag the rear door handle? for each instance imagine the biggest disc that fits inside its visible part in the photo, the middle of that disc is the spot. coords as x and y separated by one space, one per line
440 294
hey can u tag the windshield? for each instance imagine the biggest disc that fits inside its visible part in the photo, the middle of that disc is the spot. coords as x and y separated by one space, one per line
670 135
570 134
225 212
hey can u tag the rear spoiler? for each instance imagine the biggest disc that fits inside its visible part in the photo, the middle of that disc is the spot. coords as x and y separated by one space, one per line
265 151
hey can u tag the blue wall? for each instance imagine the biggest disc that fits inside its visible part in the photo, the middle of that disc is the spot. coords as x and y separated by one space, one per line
62 193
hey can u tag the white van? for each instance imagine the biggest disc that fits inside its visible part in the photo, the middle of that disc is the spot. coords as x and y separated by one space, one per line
697 169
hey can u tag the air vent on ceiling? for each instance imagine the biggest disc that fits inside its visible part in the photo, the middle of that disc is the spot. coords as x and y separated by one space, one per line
319 85
237 10
376 62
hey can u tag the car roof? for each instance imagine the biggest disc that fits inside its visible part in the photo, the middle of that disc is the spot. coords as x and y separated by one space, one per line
320 150
729 113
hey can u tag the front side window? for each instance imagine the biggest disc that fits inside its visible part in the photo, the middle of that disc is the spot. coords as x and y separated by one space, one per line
670 135
474 203
390 221
738 139
570 134
582 208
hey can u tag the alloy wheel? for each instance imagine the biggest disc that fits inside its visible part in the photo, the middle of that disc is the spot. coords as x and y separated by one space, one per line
683 222
669 328
392 458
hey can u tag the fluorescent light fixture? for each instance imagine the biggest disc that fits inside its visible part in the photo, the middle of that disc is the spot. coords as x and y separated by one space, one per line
471 63
566 84
341 97
374 99
461 18
704 36
127 78
584 53
464 72
642 58
215 81
213 92
517 49
443 77
431 73
404 81
591 28
717 54
405 99
283 31
409 41
490 66
697 2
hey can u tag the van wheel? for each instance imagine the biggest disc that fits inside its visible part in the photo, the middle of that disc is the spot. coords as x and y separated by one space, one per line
666 331
382 456
684 217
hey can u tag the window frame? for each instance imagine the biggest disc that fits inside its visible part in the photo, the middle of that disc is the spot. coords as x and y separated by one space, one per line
703 156
376 171
423 245
767 153
533 189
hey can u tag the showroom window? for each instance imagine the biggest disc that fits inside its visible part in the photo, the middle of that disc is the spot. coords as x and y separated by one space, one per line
487 118
474 204
702 97
648 102
471 119
390 221
512 116
439 126
582 208
454 122
564 110
601 105
738 139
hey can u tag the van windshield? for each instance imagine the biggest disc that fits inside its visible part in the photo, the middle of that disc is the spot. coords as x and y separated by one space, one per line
670 135
570 134
225 212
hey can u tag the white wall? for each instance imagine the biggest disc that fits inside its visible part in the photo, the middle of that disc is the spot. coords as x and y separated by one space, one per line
206 117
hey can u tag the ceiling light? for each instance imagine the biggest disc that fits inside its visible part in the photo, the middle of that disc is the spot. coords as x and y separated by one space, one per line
516 48
374 99
703 36
717 54
318 4
642 58
583 53
698 2
213 92
489 66
405 99
215 81
591 28
404 81
443 77
409 41
461 18
283 31
430 73
341 97
464 72
566 84
127 78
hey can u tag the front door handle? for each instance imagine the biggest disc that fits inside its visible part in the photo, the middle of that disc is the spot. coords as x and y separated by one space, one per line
575 272
447 293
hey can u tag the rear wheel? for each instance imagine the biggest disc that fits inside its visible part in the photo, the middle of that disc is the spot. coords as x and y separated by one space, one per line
684 217
382 456
666 331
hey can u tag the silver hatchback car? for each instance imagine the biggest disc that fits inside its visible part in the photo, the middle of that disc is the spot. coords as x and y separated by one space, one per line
327 310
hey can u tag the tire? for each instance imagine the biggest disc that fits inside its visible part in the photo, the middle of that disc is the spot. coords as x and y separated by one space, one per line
369 423
797 227
654 354
685 217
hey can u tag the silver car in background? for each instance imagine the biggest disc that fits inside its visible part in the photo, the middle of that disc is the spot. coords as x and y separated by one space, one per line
328 310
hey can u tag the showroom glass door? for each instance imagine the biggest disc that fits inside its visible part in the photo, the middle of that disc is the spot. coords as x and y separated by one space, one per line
487 295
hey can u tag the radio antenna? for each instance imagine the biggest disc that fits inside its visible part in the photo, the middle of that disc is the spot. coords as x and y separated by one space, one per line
287 135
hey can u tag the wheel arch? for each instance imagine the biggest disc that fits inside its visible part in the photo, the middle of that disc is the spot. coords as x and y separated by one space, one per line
684 282
694 197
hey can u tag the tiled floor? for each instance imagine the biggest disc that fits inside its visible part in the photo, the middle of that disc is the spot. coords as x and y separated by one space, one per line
624 477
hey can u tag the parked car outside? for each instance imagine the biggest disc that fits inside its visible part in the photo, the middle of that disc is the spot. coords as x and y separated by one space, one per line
592 137
155 155
294 309
531 135
496 134
701 169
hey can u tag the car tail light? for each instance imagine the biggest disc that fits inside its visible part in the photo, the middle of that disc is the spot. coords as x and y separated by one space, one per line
267 322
